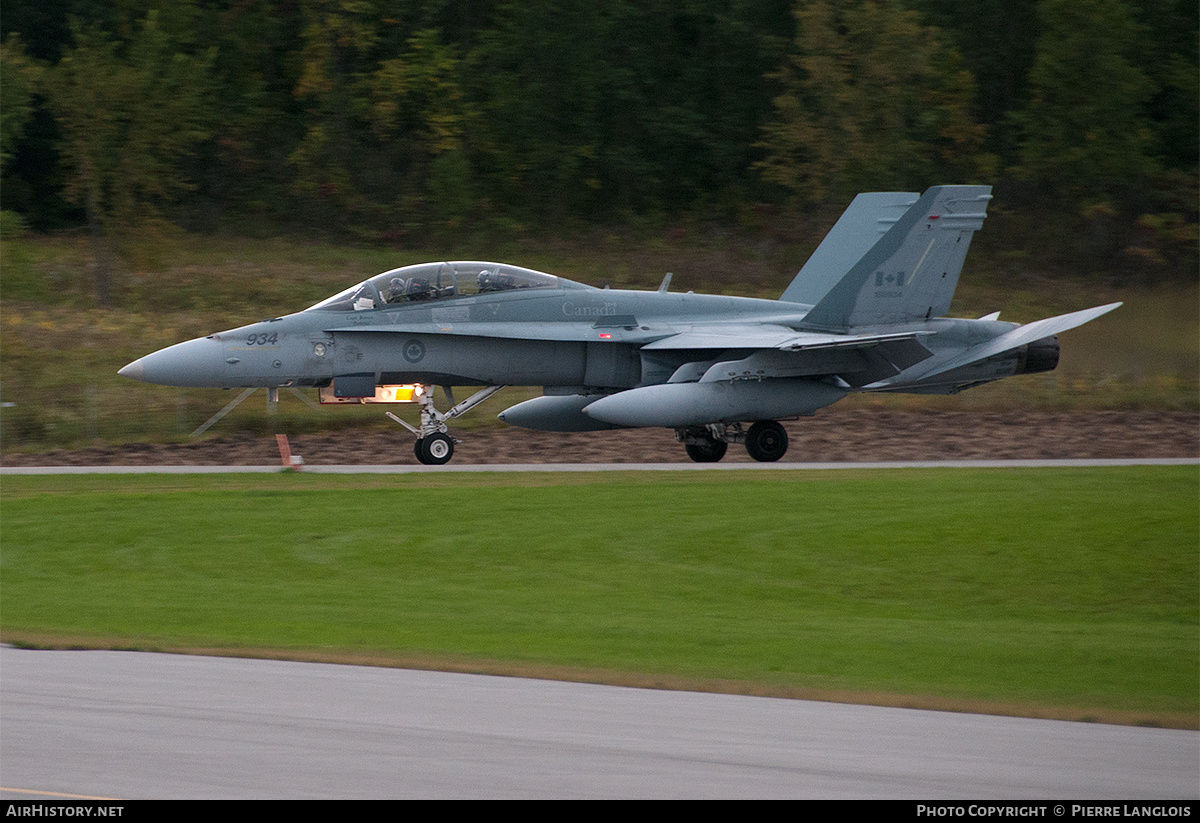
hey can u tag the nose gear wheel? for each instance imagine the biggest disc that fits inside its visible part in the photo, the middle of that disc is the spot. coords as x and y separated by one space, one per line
435 450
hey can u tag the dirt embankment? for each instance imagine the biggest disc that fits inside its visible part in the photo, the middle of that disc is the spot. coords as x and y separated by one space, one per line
852 435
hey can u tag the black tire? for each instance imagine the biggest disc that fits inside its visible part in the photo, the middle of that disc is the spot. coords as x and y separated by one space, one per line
766 441
709 451
435 450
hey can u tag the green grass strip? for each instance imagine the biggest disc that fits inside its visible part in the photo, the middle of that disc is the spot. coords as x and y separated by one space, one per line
1046 588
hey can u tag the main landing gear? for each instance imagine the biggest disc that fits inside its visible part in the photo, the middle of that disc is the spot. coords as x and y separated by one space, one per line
766 440
434 447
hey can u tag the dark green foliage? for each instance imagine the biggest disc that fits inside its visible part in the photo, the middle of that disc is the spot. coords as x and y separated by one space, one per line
1083 131
870 99
130 112
431 120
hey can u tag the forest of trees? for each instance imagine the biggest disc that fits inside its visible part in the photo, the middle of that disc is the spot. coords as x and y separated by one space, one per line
401 120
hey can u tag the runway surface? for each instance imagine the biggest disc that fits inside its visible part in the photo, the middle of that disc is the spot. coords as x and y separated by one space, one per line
607 467
136 725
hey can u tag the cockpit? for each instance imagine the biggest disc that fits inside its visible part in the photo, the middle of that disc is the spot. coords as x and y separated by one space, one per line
435 281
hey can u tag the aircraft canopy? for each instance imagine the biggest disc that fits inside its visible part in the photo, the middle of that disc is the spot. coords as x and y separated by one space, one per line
435 281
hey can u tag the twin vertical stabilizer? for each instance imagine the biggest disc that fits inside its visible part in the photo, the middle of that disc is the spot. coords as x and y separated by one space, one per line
911 272
863 224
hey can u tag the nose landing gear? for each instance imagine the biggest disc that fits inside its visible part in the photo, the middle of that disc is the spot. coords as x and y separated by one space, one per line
435 450
434 447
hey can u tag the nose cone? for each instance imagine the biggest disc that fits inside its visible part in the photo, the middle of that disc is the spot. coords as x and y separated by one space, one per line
134 371
197 362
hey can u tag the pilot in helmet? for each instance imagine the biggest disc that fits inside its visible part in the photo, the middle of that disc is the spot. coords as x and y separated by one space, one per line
395 292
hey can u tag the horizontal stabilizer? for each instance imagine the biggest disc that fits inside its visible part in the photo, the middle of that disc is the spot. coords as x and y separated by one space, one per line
1019 337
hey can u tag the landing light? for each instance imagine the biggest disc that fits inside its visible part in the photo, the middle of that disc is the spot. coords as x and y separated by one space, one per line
407 393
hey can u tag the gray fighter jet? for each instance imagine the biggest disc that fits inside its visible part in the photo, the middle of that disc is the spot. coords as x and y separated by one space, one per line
865 314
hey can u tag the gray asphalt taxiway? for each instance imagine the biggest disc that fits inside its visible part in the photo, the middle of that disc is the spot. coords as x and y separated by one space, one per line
132 725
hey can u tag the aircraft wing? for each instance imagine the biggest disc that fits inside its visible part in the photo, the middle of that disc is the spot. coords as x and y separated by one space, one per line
714 337
772 350
777 351
748 336
1019 337
772 337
